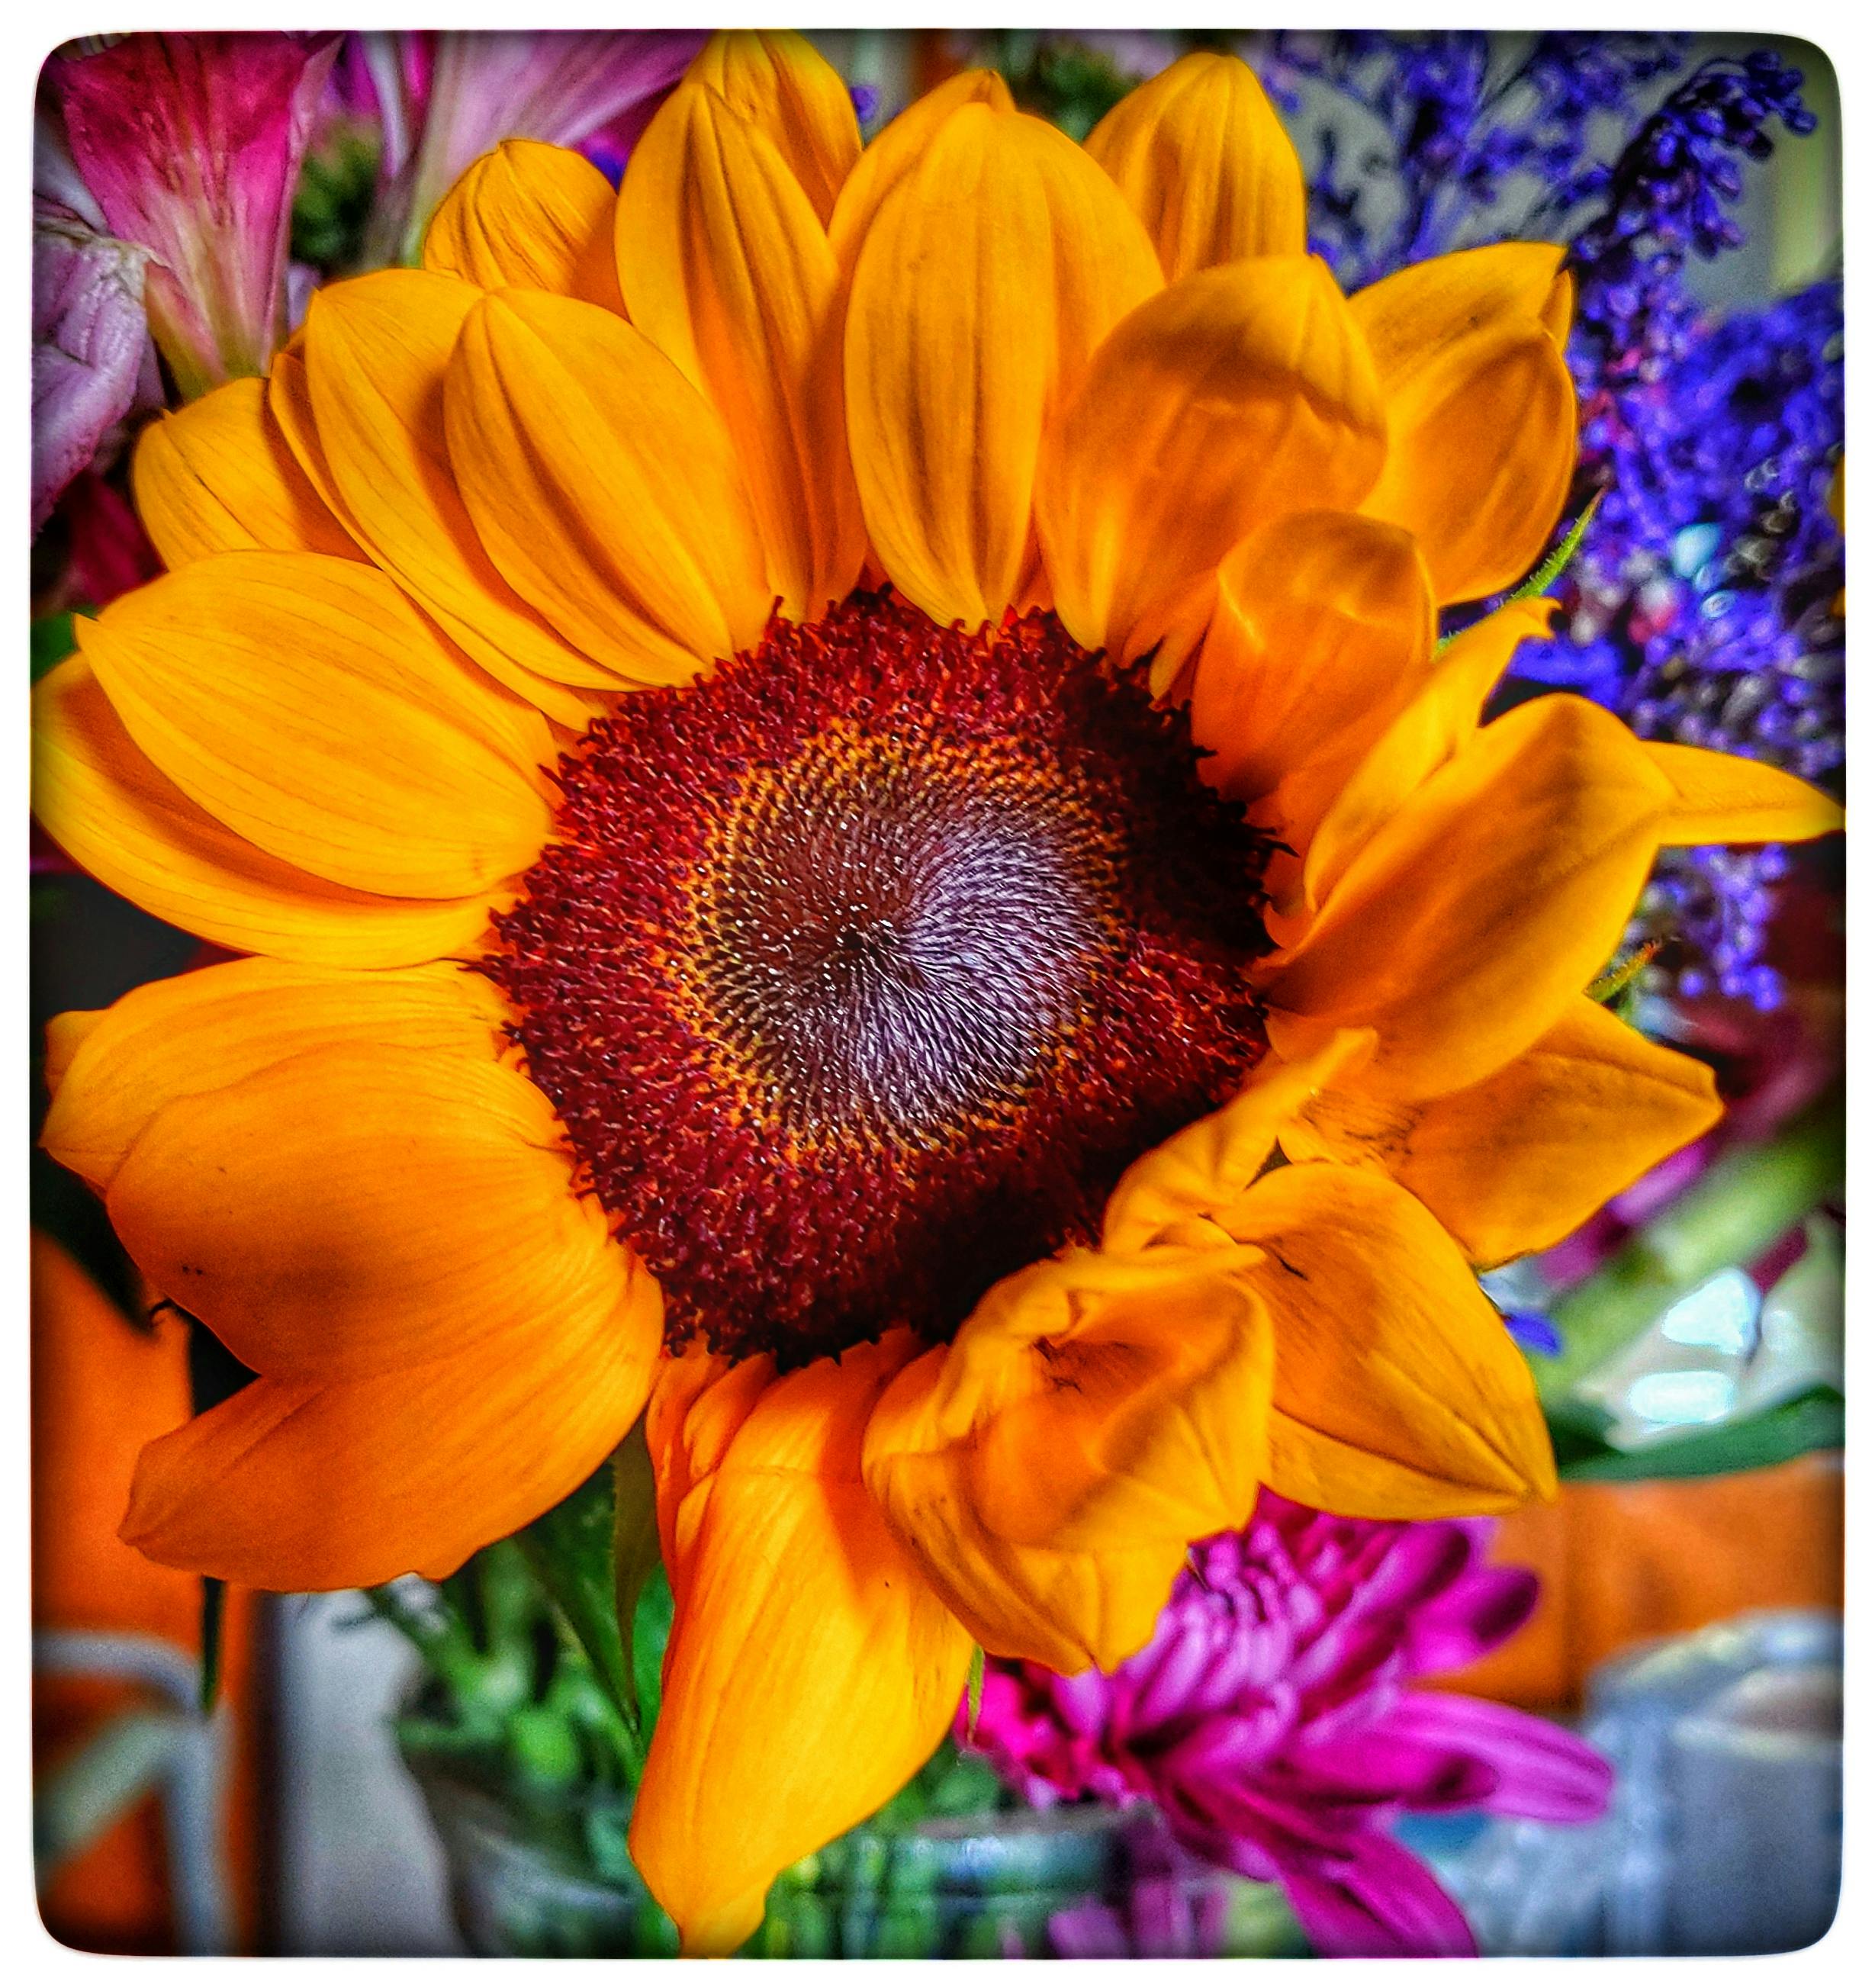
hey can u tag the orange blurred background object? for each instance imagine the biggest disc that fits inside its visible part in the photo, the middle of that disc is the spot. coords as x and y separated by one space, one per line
102 1388
1621 1562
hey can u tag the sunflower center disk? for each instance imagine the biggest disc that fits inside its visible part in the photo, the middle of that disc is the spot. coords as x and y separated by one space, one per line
859 973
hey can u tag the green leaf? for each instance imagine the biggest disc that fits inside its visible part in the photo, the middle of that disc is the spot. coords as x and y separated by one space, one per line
1812 1422
973 1693
53 638
1553 568
634 1547
569 1552
214 1599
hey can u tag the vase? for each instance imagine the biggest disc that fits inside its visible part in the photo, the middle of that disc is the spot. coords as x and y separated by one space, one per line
540 1873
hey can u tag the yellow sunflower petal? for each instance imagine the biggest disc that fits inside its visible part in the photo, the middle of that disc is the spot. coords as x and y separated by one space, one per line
303 702
1323 630
204 1030
1440 718
810 1671
1211 1163
1095 1414
779 81
529 217
1723 797
294 1486
1235 397
1515 1163
117 815
217 476
359 1208
897 149
604 486
987 277
1481 410
376 349
1202 160
728 273
1399 1392
1474 916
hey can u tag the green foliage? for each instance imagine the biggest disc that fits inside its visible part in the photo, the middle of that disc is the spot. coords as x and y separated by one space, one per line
1071 86
53 637
332 203
1812 1422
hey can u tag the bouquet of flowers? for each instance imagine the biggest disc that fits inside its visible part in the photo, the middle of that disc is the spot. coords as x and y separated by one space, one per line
899 858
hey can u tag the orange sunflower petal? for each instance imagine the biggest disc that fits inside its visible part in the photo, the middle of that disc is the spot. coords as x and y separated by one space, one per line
1515 1163
1212 1161
1474 917
1480 407
898 148
1399 1392
205 1030
1095 1414
987 277
1323 629
1440 718
117 815
788 91
810 1671
1235 396
728 273
376 350
604 486
529 217
1724 797
1202 160
355 1209
294 1486
303 702
217 476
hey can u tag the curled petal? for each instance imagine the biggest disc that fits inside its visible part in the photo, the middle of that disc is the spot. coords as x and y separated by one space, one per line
301 701
1322 630
604 486
1398 1393
115 813
1518 1160
778 81
810 1671
219 477
1095 1414
1210 1163
529 217
1438 720
728 273
1202 160
1474 916
1237 395
1481 410
987 277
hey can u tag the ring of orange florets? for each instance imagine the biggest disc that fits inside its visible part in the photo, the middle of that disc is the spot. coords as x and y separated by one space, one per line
859 973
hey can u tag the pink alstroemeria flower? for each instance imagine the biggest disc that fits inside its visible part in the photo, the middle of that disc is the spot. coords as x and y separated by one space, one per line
444 99
191 146
1272 1719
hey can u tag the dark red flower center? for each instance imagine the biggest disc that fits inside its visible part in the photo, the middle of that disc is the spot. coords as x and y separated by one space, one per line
859 973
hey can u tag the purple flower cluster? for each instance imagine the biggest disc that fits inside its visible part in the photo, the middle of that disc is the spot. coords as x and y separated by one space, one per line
1703 602
1273 1722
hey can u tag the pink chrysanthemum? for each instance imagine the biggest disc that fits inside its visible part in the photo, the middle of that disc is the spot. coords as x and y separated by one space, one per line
1272 1719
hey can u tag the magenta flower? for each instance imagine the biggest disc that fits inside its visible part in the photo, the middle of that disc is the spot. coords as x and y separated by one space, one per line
1273 1721
444 99
191 146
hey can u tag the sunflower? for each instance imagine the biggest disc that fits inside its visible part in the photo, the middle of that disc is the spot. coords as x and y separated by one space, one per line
853 834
